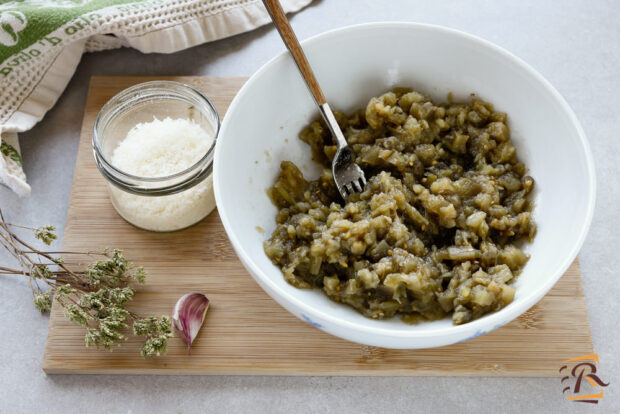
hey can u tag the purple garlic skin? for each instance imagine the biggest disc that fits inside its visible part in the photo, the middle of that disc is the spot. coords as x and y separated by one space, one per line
188 315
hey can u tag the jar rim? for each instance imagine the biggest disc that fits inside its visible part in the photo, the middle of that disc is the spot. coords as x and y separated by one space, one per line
117 99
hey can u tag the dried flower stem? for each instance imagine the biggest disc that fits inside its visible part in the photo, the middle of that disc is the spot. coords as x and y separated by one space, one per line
95 297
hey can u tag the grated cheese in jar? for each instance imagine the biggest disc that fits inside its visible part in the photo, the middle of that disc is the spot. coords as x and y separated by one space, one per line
158 149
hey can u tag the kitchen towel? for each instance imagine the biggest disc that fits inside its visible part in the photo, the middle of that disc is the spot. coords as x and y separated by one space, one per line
42 41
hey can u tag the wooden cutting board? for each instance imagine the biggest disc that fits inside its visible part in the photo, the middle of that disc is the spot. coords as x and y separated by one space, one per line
246 332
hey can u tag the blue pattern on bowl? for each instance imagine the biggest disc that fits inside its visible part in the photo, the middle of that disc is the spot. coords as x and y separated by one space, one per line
480 332
310 321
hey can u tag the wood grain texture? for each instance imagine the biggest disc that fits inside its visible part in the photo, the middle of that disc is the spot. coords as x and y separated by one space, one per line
246 332
290 40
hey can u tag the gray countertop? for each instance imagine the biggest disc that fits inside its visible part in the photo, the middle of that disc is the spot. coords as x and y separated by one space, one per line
575 44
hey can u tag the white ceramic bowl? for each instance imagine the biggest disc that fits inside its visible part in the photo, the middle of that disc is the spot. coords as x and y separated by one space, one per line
353 64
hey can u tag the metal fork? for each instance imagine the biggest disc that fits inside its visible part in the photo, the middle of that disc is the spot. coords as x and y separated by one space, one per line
348 176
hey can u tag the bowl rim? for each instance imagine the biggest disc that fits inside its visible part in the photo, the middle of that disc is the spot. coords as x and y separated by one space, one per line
482 325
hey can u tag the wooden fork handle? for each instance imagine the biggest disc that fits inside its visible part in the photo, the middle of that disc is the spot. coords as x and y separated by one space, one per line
289 38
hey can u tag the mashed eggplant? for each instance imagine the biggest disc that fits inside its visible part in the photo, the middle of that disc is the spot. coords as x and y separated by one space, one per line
436 230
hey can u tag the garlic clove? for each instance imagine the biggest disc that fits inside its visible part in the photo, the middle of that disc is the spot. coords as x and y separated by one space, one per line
188 316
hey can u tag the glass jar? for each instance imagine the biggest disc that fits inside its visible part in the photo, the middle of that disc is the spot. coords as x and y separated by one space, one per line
165 203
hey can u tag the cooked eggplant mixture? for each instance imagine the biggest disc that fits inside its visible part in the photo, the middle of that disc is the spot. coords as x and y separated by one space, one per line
436 231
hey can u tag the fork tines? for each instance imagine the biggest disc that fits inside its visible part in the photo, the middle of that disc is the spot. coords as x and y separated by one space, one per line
356 186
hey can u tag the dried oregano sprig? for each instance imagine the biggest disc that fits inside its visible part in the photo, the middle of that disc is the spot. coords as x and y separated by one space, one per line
94 297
